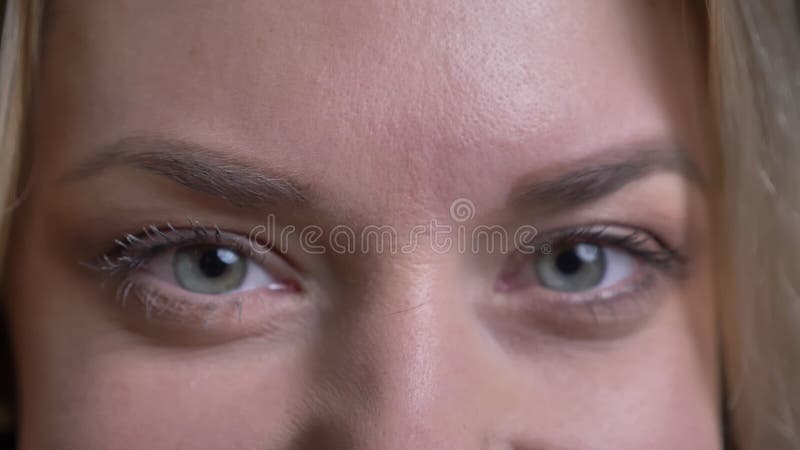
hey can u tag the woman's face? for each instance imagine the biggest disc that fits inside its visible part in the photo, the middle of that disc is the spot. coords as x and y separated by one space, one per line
487 224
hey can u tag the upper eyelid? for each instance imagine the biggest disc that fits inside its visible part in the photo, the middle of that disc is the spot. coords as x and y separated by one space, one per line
600 230
131 250
668 255
151 233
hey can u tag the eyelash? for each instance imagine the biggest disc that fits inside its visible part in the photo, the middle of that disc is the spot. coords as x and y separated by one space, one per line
133 251
620 305
634 241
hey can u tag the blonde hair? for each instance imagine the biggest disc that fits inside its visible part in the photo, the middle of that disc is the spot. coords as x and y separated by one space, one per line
755 79
754 60
18 53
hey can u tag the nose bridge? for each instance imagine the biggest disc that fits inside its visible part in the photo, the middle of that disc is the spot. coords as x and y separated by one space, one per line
412 361
408 350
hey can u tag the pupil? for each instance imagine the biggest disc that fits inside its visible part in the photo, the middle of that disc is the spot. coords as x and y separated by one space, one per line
568 262
211 264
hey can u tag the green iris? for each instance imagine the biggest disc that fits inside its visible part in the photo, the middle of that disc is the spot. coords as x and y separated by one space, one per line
209 269
576 268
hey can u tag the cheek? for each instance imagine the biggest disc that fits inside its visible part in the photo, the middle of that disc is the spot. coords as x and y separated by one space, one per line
669 403
89 384
656 391
675 390
151 398
85 382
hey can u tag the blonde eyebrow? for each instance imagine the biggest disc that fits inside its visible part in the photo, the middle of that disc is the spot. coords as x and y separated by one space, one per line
599 178
195 167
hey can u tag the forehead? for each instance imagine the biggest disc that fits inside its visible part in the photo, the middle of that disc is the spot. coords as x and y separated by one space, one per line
438 91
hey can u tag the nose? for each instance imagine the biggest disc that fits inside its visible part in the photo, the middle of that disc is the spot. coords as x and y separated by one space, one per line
406 365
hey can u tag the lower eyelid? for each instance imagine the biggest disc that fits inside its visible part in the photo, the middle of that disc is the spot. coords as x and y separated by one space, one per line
183 322
600 314
161 301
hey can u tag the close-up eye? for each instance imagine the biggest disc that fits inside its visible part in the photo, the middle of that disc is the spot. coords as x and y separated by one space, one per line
591 273
211 269
582 267
194 273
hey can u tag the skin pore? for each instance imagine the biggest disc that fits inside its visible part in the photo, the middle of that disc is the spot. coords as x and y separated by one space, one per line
161 126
